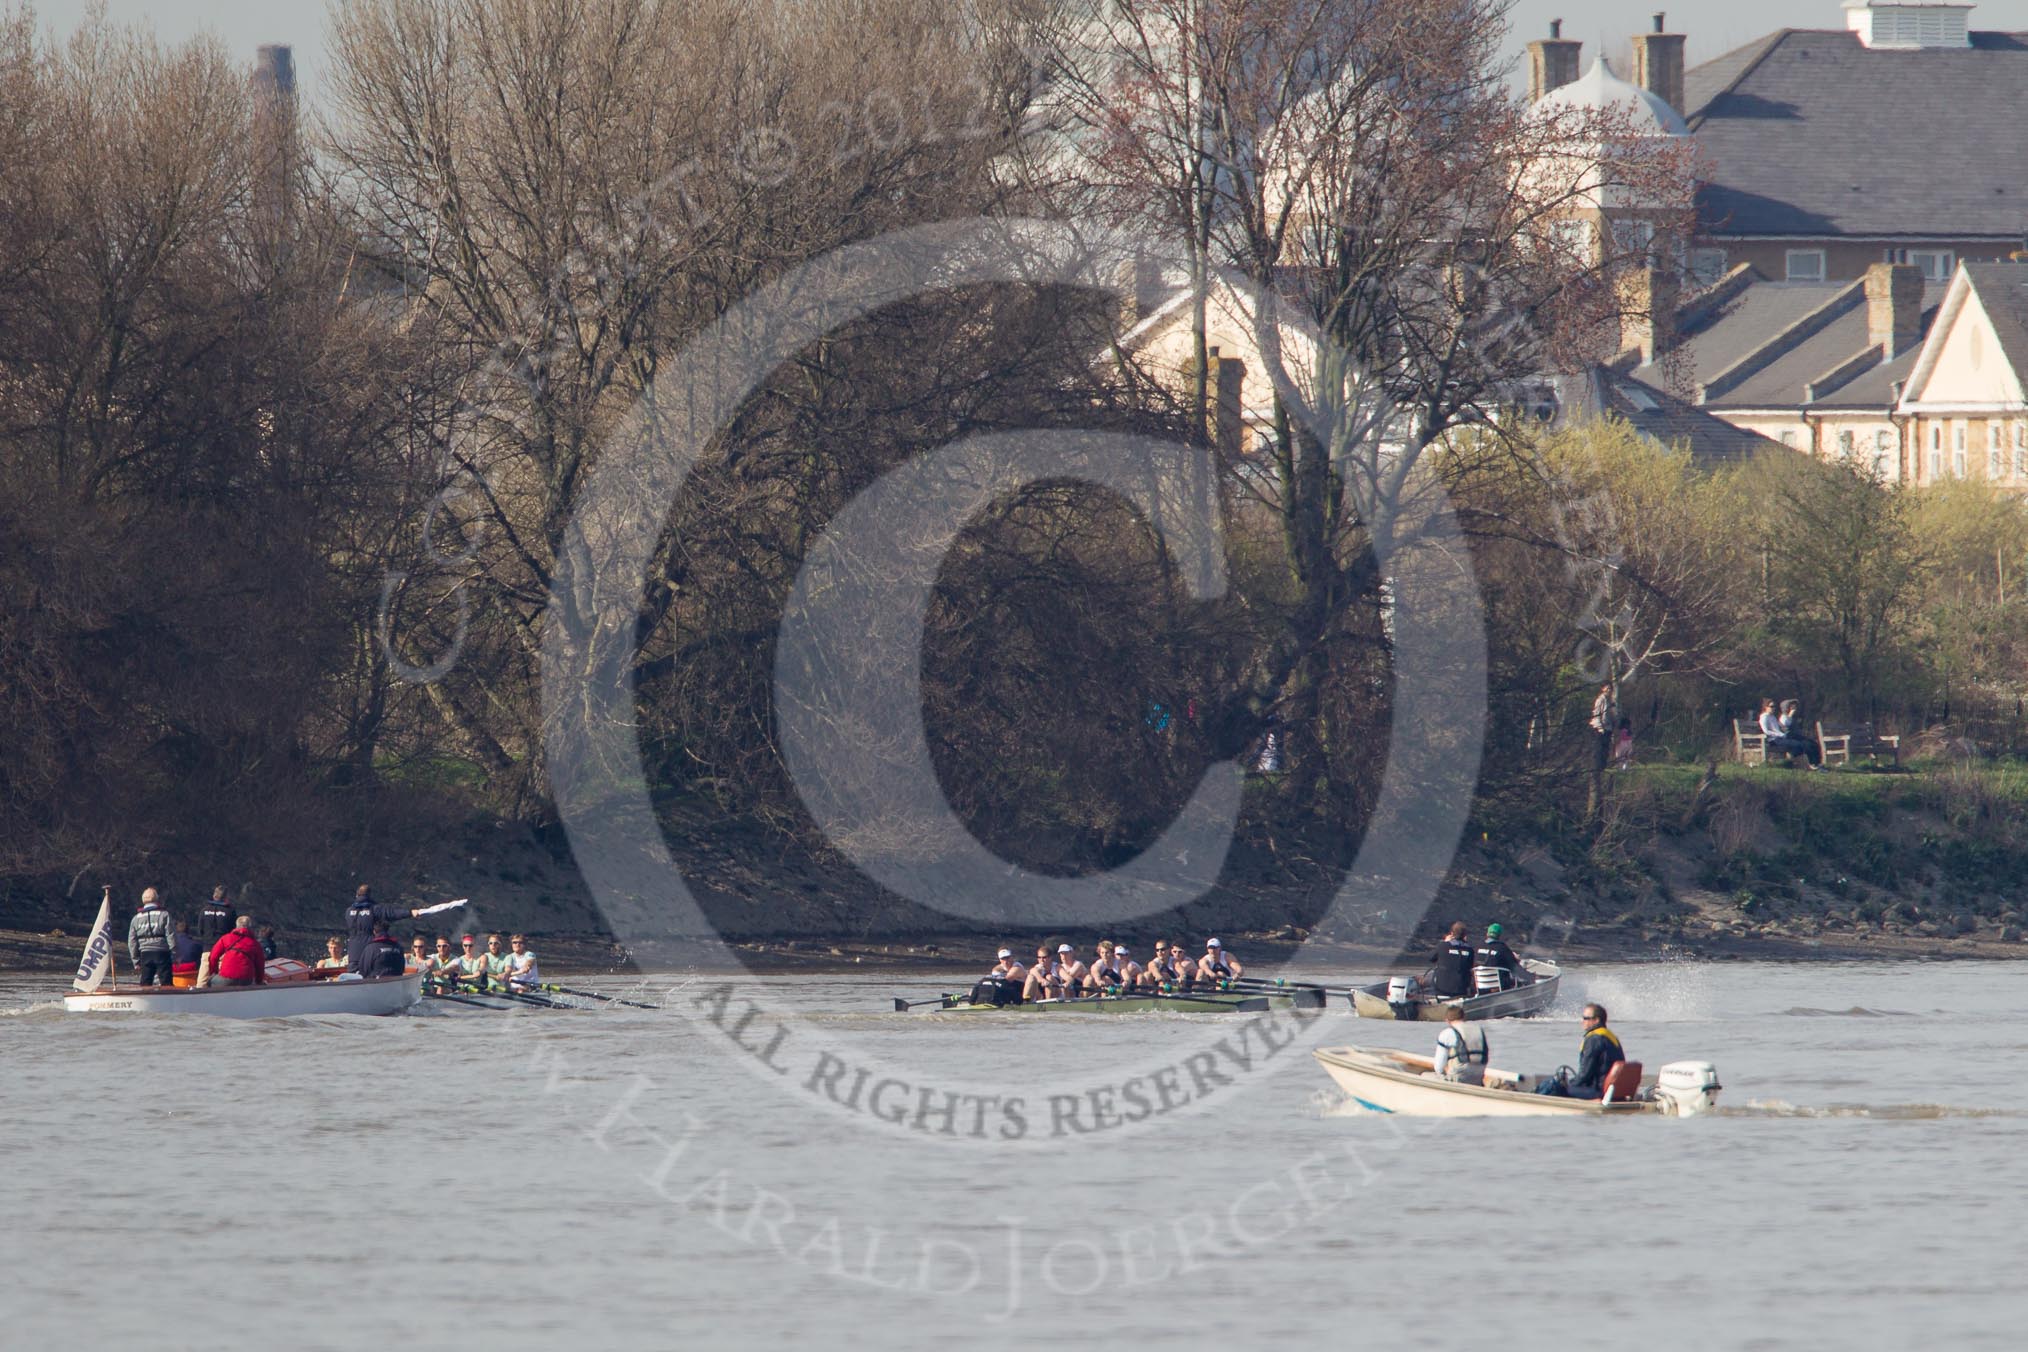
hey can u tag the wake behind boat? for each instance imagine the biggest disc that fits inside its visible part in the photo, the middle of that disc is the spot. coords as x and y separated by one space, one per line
1386 1081
1401 998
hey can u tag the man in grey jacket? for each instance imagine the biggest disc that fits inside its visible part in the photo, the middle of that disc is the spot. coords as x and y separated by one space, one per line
148 940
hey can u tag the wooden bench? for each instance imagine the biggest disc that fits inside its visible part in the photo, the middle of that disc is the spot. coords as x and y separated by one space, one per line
1859 741
1749 741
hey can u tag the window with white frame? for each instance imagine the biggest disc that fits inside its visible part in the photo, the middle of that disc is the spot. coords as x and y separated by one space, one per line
1883 452
1960 464
1846 443
1707 265
1959 443
1574 237
1935 466
1936 437
1789 437
1934 264
1632 239
1805 265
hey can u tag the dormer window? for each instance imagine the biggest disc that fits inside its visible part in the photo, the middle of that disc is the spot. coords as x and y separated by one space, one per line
1909 27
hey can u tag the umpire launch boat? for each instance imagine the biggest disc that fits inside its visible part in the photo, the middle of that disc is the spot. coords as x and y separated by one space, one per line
282 997
291 988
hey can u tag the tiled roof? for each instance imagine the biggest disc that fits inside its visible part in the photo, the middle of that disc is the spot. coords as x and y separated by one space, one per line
2003 291
1787 345
1809 133
1663 417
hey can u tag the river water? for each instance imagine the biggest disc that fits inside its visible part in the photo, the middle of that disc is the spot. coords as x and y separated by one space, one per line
787 1162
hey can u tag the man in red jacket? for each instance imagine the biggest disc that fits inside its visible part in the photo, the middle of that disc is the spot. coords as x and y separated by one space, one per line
237 958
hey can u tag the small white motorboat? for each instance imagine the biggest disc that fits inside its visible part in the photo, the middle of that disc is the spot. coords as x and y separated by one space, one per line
1401 998
1385 1081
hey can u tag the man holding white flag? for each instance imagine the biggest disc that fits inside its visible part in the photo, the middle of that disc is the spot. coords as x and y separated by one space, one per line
364 911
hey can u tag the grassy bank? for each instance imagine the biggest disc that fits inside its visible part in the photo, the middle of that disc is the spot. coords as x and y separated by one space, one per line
1691 854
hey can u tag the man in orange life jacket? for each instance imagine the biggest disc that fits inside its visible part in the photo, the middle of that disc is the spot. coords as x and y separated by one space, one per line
1596 1056
237 959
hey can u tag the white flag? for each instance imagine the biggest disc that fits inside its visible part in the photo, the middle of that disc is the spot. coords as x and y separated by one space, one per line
442 906
98 954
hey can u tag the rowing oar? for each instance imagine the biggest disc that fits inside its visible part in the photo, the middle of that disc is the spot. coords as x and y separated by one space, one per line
593 995
433 993
902 1006
534 1000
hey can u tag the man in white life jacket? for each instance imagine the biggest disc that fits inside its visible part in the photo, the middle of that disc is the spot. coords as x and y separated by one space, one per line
1461 1050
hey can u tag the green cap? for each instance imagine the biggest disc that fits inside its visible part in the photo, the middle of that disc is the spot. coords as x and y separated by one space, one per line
1492 929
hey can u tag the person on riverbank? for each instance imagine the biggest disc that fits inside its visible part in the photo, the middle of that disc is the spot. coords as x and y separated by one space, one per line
1493 952
148 941
382 955
523 972
334 956
236 959
1461 1050
359 919
1605 713
1778 728
1597 1054
1451 964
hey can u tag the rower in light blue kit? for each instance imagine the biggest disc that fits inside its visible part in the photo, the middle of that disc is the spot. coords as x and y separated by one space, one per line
522 971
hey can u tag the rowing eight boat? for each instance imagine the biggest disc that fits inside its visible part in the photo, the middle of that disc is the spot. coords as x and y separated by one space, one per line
1195 1003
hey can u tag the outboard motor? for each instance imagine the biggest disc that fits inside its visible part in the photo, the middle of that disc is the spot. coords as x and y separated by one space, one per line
1400 990
996 991
1689 1087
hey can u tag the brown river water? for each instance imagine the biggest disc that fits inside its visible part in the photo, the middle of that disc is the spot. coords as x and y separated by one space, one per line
786 1162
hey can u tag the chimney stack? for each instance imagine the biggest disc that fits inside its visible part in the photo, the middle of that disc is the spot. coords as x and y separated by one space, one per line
1893 308
1552 61
275 73
1658 64
1649 300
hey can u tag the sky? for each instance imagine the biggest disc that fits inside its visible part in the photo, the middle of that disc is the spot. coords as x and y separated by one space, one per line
1713 27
